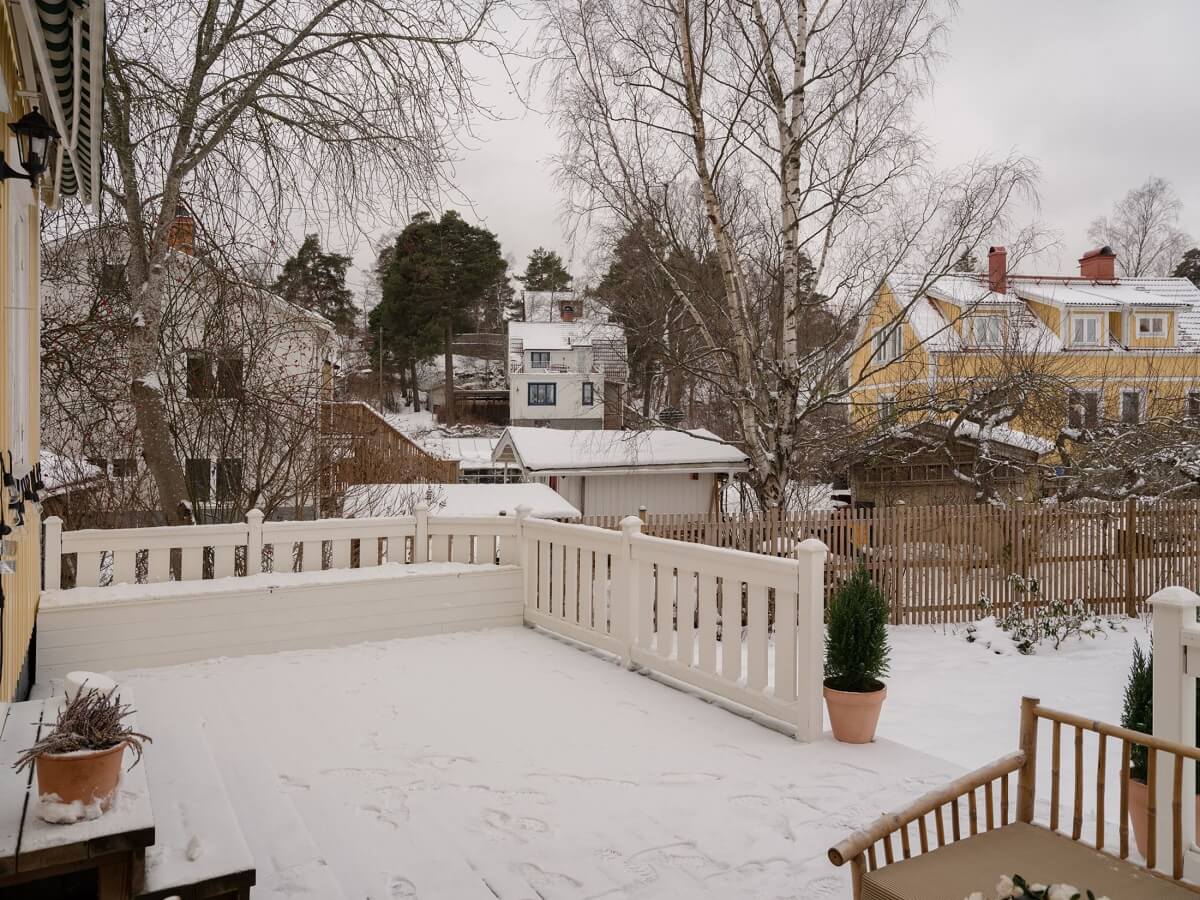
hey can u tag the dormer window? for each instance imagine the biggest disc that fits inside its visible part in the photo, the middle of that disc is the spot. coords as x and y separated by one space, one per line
888 344
1154 326
987 331
1085 330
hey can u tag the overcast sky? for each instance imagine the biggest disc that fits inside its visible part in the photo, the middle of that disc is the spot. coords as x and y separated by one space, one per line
1100 93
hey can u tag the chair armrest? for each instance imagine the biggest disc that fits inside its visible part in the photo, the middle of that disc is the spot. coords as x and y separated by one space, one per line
889 824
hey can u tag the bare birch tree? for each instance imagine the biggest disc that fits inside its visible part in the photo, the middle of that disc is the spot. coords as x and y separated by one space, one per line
261 113
792 125
1144 229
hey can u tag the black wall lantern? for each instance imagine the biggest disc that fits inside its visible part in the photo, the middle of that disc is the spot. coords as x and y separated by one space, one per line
35 143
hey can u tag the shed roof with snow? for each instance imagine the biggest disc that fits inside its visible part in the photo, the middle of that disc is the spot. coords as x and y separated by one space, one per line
547 450
457 500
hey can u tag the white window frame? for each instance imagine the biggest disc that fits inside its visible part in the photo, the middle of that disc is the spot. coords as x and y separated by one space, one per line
887 407
888 344
983 336
1083 423
534 356
1077 318
1150 317
1141 410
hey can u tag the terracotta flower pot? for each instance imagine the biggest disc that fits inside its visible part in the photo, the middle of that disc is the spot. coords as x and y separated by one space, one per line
1139 814
853 715
87 777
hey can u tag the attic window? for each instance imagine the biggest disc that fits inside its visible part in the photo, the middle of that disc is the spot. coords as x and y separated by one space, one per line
1152 326
888 344
987 331
1085 330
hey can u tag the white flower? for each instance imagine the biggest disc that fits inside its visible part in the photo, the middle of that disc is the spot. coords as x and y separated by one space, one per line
1062 892
1037 888
1004 888
975 895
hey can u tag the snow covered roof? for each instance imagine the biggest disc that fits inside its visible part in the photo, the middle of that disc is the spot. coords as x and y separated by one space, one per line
972 431
457 500
472 452
60 473
561 335
552 449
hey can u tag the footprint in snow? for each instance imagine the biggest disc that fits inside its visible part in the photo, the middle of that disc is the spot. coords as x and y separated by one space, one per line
541 880
514 826
689 778
402 887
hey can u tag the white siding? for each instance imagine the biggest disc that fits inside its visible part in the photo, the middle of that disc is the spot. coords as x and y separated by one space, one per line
100 636
621 494
568 405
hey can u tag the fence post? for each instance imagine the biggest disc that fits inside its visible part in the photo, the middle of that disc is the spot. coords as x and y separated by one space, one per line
1027 776
1131 558
527 571
421 535
52 548
254 541
625 590
810 637
1174 612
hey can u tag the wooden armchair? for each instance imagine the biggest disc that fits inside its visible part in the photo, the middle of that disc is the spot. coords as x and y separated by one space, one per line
961 852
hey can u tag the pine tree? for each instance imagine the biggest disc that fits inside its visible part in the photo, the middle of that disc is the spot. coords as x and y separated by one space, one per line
545 272
316 281
1189 266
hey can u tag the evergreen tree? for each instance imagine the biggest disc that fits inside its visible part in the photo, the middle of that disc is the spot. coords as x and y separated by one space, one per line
545 272
437 274
316 281
968 262
1189 266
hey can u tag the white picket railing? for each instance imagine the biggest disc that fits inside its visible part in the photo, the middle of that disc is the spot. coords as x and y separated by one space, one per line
742 626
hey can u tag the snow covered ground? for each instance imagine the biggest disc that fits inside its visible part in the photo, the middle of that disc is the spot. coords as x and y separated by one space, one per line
509 764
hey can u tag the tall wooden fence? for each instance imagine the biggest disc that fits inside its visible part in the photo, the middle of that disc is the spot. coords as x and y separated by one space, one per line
937 563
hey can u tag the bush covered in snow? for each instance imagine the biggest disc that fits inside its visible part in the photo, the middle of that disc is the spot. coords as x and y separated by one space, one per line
1054 622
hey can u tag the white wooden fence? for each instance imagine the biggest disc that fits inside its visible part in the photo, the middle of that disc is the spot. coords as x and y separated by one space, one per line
741 626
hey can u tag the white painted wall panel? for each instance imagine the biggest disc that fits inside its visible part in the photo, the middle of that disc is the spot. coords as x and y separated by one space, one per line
621 494
107 636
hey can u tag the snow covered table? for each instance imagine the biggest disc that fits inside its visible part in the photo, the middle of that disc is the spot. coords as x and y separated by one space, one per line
102 856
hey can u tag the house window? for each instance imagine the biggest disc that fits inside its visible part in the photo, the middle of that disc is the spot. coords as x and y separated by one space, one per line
199 375
1193 404
588 393
987 331
543 393
199 479
1083 409
887 408
1152 326
1131 406
230 376
125 467
539 359
889 344
1085 331
229 479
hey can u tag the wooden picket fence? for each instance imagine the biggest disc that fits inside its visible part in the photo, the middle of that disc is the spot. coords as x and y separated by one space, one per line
937 563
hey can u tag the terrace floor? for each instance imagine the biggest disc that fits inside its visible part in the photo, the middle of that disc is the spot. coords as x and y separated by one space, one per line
509 764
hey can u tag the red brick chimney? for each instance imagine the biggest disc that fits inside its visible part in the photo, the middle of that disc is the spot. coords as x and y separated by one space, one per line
1099 264
181 235
998 269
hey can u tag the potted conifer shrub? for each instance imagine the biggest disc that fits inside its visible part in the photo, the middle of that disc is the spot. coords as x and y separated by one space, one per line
1138 715
856 658
78 763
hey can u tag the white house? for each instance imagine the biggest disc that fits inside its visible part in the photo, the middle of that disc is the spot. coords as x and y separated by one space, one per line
566 369
610 472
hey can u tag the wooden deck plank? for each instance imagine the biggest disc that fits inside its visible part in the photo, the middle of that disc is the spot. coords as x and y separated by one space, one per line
21 723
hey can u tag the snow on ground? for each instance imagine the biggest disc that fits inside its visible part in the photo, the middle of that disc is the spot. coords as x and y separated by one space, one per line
509 764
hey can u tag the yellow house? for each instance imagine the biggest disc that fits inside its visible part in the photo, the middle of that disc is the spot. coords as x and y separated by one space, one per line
1080 350
50 113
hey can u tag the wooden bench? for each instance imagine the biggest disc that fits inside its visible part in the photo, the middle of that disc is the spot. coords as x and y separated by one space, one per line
962 837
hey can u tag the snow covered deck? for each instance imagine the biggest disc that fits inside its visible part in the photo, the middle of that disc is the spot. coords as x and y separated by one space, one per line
510 764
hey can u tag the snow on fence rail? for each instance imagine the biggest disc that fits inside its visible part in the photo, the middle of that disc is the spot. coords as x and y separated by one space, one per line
102 556
671 608
744 627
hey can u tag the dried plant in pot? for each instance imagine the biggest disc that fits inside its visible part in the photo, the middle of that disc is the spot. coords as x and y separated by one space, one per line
78 763
856 658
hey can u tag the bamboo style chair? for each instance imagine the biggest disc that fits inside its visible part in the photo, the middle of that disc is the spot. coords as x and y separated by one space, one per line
972 855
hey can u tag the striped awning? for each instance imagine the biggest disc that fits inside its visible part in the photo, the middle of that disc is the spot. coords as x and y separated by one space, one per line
67 43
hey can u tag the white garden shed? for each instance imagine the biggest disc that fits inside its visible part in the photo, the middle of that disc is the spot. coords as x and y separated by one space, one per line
614 473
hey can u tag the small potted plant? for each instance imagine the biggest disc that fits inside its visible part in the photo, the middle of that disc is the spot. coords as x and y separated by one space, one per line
1138 714
856 658
78 764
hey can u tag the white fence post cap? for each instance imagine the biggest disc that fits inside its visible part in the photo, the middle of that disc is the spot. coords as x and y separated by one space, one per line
254 513
1174 596
631 523
524 511
811 545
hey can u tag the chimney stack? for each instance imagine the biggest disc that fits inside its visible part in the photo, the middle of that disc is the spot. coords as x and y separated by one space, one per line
1099 264
998 270
181 235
